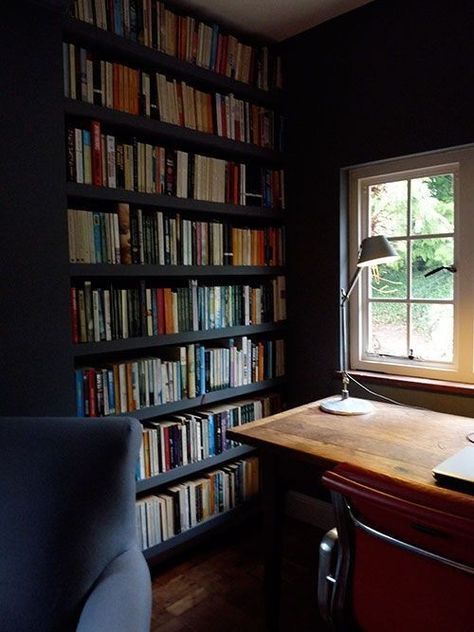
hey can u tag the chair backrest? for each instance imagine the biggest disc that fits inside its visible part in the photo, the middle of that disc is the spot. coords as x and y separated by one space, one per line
67 493
406 558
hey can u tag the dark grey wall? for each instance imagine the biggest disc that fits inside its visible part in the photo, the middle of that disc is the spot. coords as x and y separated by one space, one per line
36 375
394 77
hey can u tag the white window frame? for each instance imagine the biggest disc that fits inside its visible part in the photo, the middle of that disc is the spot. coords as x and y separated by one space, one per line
460 162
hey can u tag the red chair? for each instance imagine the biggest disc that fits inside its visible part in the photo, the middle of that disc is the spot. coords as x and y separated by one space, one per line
401 559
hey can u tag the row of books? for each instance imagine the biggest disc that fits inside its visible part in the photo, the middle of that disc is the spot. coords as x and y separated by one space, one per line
183 506
153 24
112 313
179 373
105 160
191 437
93 80
131 235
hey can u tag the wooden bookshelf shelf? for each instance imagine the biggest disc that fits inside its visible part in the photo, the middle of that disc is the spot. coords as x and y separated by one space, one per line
119 47
148 342
203 400
192 468
146 270
151 128
168 202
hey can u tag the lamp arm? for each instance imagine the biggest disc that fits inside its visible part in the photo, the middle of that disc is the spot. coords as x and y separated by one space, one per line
373 250
345 294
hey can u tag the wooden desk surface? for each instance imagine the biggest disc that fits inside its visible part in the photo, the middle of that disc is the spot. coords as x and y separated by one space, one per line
403 442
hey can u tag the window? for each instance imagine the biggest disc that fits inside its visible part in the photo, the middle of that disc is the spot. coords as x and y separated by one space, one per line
415 316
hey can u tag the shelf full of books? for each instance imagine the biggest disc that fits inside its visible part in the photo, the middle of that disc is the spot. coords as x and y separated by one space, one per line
122 234
176 374
175 446
106 312
175 510
199 47
106 160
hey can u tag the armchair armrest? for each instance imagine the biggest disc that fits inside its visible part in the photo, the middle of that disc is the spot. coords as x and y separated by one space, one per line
121 597
328 550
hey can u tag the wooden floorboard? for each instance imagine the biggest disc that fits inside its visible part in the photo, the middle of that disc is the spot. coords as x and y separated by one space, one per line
218 586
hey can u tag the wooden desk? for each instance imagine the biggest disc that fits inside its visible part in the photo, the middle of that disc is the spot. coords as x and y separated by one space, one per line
405 443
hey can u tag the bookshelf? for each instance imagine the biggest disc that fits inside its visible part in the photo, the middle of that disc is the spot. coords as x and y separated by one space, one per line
46 358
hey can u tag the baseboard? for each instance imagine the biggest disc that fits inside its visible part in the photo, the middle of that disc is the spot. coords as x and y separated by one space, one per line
313 511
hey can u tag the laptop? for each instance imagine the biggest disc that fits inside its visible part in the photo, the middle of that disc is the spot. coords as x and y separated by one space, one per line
458 468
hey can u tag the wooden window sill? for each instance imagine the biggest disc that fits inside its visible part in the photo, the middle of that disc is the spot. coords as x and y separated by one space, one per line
419 383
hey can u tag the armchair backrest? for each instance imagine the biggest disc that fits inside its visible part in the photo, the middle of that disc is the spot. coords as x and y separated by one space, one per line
406 554
66 510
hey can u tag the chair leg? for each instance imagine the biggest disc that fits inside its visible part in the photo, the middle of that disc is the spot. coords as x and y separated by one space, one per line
328 553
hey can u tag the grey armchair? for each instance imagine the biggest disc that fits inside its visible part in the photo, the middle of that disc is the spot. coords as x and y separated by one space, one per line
68 552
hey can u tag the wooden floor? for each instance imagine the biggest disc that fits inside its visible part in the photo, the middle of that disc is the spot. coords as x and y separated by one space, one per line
218 587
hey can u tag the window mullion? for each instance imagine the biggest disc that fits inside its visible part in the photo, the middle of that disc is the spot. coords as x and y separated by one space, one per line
409 268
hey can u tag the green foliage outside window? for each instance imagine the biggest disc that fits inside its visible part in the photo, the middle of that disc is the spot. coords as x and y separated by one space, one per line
430 215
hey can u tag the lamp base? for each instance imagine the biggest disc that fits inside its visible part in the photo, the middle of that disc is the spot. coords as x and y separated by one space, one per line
346 406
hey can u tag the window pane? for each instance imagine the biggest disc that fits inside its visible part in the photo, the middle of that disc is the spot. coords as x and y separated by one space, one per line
389 280
428 254
432 205
388 329
388 208
432 332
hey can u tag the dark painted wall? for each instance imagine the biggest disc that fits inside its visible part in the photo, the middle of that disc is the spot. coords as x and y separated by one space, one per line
394 77
36 364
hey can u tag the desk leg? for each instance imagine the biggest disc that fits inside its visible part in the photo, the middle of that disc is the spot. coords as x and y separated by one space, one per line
273 520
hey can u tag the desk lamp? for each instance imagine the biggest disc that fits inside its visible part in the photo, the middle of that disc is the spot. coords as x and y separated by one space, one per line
373 250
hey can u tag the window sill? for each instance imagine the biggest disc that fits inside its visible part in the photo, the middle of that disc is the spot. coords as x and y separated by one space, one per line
418 383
